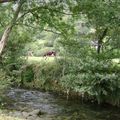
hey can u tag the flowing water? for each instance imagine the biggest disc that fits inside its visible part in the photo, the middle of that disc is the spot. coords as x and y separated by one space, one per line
26 103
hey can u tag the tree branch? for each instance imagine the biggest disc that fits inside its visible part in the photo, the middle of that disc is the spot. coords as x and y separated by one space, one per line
42 7
48 30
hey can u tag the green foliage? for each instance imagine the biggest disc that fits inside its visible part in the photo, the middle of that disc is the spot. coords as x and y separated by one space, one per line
27 74
11 59
48 44
5 81
96 79
43 75
77 24
46 74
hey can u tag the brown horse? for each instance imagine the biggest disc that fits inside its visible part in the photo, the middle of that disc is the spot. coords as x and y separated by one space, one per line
51 53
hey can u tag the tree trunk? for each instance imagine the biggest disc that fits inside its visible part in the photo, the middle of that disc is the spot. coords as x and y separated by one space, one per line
100 40
4 38
8 29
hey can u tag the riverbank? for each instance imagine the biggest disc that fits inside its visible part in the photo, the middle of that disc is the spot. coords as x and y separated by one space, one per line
94 81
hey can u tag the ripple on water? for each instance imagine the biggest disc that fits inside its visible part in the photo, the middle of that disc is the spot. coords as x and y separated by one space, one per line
34 100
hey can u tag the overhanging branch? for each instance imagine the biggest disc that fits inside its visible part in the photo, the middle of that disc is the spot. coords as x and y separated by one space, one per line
44 29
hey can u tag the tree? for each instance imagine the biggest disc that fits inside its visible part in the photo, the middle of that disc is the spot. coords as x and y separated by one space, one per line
38 14
84 69
8 29
103 16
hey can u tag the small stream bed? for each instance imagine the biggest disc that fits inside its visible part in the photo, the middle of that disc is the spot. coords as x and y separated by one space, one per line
37 105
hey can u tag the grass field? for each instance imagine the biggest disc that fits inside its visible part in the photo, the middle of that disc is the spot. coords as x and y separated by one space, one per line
33 60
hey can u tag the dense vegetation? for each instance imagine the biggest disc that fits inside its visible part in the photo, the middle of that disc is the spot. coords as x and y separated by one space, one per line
83 33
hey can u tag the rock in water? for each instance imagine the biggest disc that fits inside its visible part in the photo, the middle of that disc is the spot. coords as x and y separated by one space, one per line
34 112
25 114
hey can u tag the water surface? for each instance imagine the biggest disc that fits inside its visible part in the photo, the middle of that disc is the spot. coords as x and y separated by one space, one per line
57 108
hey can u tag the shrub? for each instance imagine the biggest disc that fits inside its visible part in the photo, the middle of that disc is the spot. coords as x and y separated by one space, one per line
27 74
5 81
98 79
48 44
47 73
42 75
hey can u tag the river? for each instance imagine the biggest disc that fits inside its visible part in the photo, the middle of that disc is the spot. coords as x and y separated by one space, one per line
38 105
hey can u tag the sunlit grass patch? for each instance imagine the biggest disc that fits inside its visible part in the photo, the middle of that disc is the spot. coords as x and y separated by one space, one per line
116 60
32 60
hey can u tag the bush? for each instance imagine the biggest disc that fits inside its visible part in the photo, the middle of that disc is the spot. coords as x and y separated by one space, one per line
98 79
42 75
46 74
48 44
5 81
27 74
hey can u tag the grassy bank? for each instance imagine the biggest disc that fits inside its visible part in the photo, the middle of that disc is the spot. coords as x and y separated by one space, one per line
92 80
43 73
